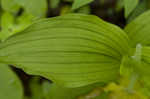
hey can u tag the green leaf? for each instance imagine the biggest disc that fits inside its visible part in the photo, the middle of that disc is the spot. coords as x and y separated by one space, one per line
72 50
33 7
144 70
10 6
10 86
126 67
130 5
139 30
23 21
7 24
132 64
11 25
7 20
58 92
85 10
79 3
54 3
138 10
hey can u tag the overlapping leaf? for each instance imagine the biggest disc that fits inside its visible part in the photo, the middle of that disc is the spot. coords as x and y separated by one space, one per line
138 10
139 33
59 92
72 50
79 3
139 30
130 5
54 3
10 86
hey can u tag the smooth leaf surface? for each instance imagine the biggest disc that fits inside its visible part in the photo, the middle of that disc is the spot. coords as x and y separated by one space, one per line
138 30
130 5
10 85
79 3
72 50
58 92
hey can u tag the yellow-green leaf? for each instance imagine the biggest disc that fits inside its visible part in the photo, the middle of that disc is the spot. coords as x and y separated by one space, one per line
72 50
139 30
130 5
59 92
79 3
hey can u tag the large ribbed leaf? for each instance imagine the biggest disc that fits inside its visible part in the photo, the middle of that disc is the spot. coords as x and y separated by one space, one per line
139 29
10 86
72 50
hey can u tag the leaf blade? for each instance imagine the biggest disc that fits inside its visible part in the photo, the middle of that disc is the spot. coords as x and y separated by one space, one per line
79 3
138 30
74 54
130 5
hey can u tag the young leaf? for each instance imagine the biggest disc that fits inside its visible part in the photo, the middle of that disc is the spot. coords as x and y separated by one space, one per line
10 86
72 50
79 3
138 30
130 5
